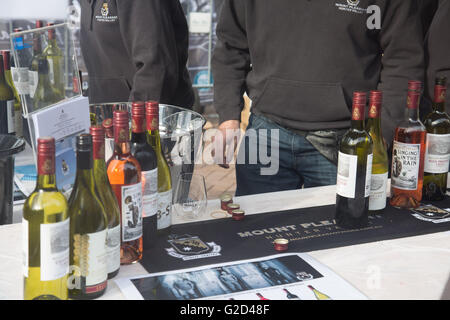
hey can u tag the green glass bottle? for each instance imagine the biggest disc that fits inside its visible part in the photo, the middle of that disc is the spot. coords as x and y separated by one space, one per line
45 232
45 94
109 201
437 157
164 213
54 56
17 102
6 104
88 229
380 165
354 170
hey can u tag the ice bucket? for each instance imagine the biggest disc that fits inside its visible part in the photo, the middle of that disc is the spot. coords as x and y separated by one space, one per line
181 133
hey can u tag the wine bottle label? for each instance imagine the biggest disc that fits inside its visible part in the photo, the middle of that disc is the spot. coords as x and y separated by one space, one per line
346 177
25 250
131 212
150 193
109 148
378 189
368 175
11 116
405 165
164 209
113 249
33 81
20 78
437 158
51 70
90 256
54 250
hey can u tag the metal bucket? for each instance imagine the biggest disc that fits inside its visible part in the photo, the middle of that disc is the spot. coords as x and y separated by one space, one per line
181 132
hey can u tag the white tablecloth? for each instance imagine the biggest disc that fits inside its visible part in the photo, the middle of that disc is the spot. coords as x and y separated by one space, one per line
407 268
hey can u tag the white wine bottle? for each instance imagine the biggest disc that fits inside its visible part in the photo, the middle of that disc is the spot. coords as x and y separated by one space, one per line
88 230
54 56
109 201
354 170
45 232
164 213
6 104
17 102
380 165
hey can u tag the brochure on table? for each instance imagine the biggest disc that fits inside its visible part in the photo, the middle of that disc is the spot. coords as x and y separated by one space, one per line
64 122
292 276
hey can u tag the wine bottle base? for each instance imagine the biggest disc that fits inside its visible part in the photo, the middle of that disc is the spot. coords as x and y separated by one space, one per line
113 274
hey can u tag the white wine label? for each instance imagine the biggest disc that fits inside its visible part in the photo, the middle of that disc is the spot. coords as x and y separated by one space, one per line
437 158
25 253
54 250
368 175
33 80
109 148
164 209
20 78
150 193
96 265
131 212
113 249
346 177
378 190
10 116
405 165
51 70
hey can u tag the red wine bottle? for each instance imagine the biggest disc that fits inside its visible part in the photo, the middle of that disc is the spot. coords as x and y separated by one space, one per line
146 156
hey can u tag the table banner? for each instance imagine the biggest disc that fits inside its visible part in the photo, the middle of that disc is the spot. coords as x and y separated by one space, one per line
310 229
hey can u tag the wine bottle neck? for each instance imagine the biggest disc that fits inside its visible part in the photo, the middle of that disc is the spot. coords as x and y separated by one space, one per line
138 137
358 125
375 126
154 140
412 114
46 181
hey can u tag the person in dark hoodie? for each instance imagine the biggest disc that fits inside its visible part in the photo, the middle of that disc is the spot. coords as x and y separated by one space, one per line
437 49
136 51
300 62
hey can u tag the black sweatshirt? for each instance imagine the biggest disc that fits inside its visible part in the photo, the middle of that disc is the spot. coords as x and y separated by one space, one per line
301 60
438 48
136 50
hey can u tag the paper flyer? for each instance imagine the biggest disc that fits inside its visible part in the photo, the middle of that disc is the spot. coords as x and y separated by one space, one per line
278 277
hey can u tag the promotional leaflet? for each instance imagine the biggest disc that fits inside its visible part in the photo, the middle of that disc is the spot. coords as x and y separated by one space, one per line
278 277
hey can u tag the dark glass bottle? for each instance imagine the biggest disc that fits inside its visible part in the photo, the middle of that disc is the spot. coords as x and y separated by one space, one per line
146 157
438 146
354 170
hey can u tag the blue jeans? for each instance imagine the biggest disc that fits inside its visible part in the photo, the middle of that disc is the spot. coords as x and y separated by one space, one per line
299 163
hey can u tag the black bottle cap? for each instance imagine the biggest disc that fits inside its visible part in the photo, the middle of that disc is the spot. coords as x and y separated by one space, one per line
441 81
84 143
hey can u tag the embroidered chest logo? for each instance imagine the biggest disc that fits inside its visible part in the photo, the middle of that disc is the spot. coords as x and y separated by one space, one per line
106 14
351 6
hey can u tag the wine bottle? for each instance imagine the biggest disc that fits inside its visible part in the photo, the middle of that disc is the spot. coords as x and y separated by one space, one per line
164 214
354 170
21 49
146 156
88 229
6 104
109 201
17 102
380 165
319 295
261 297
124 173
437 157
45 234
45 94
54 56
109 138
290 295
408 154
37 48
